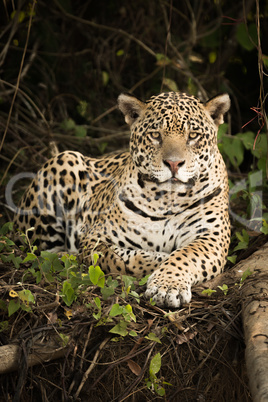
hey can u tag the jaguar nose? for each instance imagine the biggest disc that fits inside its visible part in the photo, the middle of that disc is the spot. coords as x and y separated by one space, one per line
173 165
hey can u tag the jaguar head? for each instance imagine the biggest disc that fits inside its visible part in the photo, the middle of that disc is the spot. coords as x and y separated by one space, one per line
173 135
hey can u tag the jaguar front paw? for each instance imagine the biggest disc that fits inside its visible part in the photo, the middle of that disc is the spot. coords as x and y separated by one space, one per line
168 291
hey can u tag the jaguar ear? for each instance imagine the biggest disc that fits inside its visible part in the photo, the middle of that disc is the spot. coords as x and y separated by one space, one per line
217 107
131 107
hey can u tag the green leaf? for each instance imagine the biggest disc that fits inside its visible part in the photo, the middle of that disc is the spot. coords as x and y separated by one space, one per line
162 59
247 37
96 276
29 257
105 78
241 246
265 60
128 314
3 326
160 390
120 52
222 130
82 108
144 280
208 292
26 296
116 310
245 275
247 139
11 258
109 288
68 125
3 305
170 84
128 281
155 364
64 339
13 306
260 150
152 337
97 302
68 295
95 258
21 15
120 328
212 57
97 315
6 228
234 150
264 229
80 131
224 289
232 258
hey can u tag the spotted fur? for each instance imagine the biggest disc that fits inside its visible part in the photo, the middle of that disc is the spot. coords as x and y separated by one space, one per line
160 209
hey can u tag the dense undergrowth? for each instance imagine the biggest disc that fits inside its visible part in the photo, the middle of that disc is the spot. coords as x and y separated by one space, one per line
62 68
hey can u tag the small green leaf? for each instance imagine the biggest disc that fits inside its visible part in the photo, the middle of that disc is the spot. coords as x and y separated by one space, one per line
128 314
64 339
224 289
152 337
3 326
162 59
68 125
232 258
97 302
21 15
245 275
29 257
26 296
144 280
105 78
95 258
128 281
80 131
241 246
160 390
170 84
6 228
116 310
109 289
247 37
120 52
120 328
264 228
208 292
155 364
13 306
212 57
68 295
96 276
222 130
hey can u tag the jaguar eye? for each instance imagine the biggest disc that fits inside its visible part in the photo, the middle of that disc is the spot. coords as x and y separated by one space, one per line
155 135
193 136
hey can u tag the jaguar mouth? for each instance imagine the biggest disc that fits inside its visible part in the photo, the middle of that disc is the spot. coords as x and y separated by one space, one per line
173 180
188 184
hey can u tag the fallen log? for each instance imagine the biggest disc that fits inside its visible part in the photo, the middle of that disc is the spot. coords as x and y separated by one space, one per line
255 320
10 355
254 300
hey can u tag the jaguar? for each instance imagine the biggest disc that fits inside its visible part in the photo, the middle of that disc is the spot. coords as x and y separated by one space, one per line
159 209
